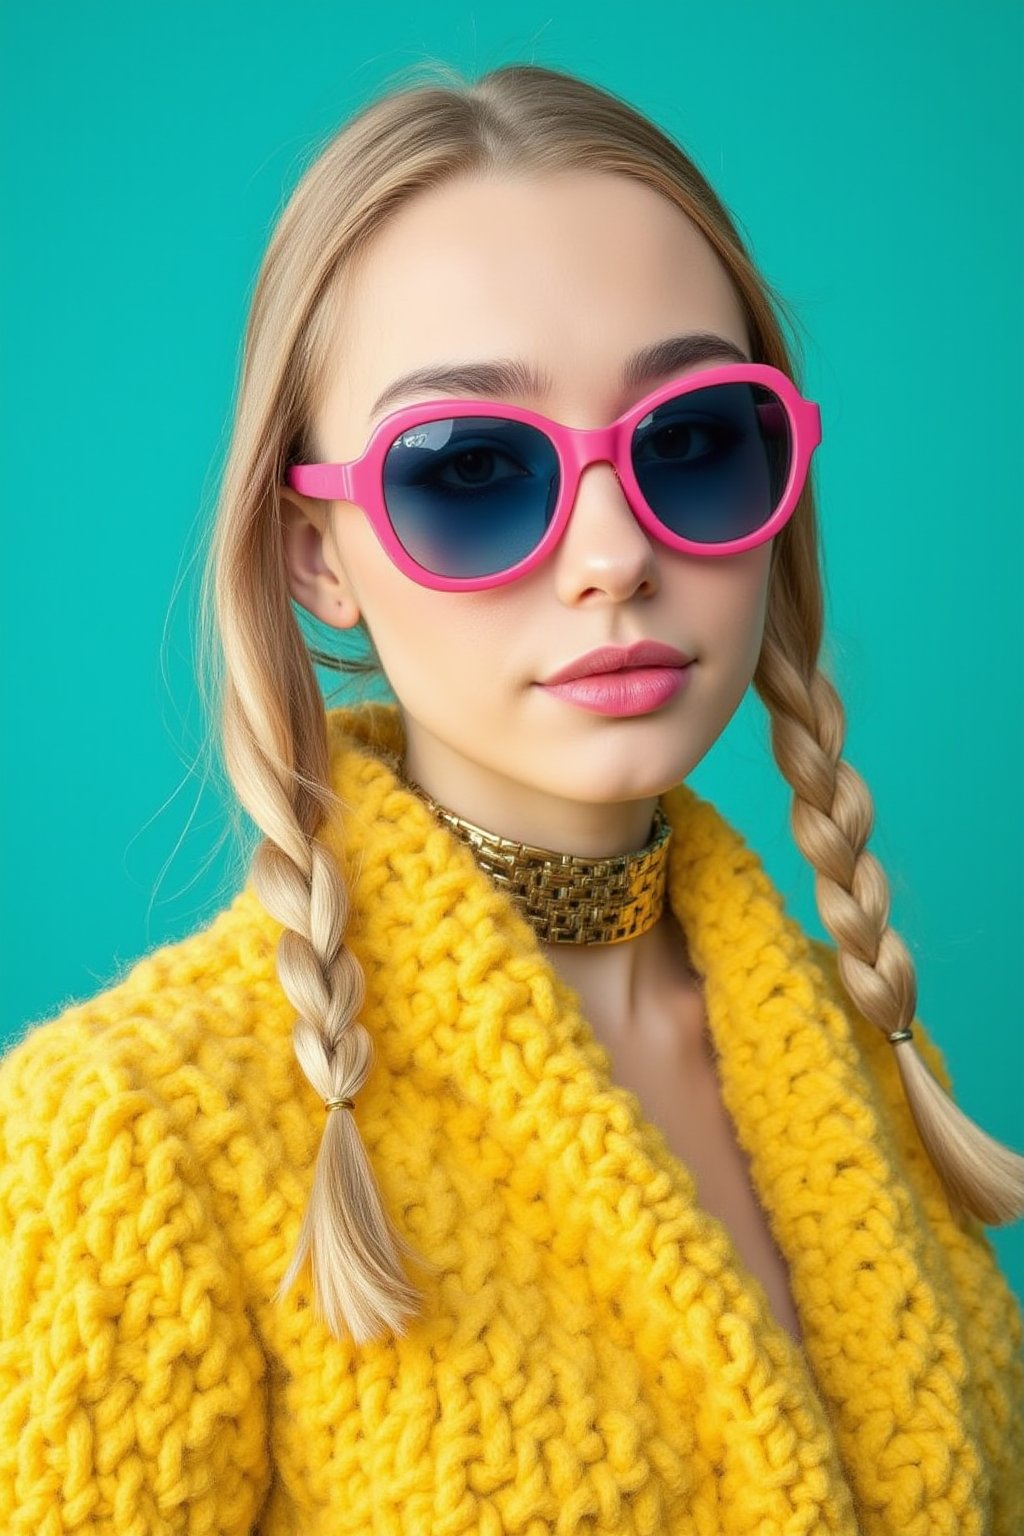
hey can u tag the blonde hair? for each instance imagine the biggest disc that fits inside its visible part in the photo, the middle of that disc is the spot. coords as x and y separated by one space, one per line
525 119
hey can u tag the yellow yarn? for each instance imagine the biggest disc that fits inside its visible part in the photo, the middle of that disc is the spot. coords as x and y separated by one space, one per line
592 1356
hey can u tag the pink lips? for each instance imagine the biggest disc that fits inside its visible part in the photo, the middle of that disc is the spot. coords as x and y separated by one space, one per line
622 680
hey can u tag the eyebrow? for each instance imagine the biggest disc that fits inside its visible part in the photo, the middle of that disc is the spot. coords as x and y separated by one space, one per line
512 377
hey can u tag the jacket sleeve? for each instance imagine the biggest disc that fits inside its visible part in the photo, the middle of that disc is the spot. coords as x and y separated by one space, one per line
132 1395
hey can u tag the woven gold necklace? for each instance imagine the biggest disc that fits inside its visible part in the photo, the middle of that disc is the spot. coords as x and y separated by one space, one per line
566 898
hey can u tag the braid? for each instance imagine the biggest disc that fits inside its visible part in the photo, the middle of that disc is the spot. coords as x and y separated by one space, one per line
345 1229
832 818
275 750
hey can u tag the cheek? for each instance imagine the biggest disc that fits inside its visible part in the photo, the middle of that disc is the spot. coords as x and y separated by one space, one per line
388 604
431 645
727 602
755 609
407 634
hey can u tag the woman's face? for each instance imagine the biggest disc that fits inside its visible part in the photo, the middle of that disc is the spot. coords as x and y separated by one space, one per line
566 276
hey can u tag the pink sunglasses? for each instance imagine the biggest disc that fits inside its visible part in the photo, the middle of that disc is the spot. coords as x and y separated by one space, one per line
468 494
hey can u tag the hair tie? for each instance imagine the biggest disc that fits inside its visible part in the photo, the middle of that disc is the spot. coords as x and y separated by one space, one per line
900 1034
339 1104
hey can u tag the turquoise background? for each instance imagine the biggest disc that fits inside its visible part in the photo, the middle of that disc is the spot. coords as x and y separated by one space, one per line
873 155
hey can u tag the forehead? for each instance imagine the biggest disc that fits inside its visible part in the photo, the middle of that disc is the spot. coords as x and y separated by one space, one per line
570 272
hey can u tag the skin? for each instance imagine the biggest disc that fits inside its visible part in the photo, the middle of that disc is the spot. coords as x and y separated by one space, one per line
571 273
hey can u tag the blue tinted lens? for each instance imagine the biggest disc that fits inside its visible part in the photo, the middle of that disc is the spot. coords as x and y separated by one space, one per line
470 495
713 463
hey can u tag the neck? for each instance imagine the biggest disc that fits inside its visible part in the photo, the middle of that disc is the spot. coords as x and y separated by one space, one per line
620 984
523 813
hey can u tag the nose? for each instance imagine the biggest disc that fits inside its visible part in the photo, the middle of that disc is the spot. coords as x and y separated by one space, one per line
604 553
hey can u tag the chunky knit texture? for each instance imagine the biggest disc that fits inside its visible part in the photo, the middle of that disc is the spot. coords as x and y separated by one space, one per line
592 1354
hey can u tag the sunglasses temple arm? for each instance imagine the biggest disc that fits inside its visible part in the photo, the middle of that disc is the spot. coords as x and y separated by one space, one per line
321 482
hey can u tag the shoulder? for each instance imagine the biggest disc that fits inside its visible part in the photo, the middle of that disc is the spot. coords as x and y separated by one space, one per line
967 1249
202 1001
126 1347
149 1080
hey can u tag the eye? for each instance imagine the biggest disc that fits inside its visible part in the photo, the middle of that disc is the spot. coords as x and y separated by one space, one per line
474 468
687 440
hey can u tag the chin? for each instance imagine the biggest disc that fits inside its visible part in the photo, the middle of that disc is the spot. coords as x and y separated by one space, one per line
641 778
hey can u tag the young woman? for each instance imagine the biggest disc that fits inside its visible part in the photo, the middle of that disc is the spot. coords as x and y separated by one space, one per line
504 1159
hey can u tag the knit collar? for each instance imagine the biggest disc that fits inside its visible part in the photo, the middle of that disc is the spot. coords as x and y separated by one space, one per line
868 1281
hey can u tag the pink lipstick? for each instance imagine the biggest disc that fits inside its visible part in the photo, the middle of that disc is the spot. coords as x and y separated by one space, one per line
622 680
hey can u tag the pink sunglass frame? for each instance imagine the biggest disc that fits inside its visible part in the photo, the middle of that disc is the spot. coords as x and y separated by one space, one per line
361 481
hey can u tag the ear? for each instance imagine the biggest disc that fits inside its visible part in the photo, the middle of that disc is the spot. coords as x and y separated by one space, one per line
313 580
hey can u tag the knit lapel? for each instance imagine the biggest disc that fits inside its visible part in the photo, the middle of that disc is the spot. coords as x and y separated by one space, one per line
466 989
885 1352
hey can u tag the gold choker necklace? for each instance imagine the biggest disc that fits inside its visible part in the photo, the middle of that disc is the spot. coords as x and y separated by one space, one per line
568 899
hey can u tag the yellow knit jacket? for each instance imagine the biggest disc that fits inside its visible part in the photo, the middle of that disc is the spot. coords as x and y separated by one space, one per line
591 1355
